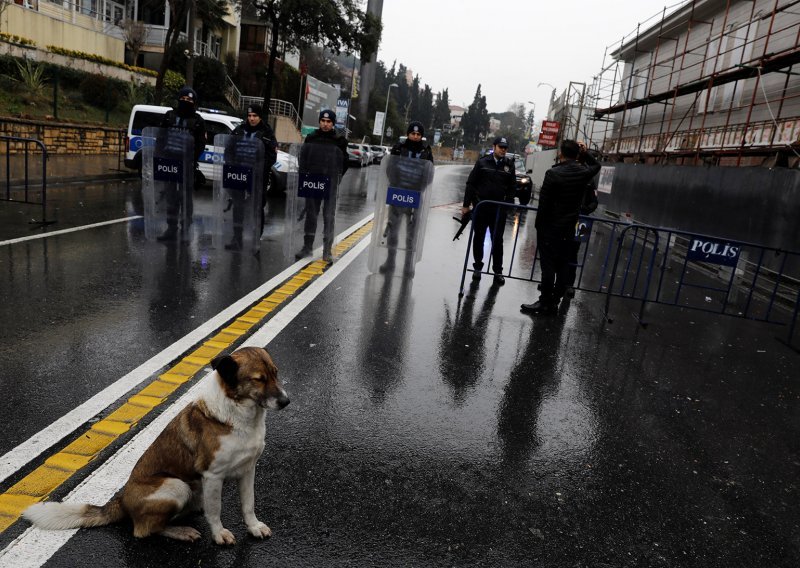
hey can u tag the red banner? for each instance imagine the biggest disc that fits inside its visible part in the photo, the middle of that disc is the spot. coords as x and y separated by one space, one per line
549 133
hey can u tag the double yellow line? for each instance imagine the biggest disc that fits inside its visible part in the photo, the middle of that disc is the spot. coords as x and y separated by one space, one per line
61 466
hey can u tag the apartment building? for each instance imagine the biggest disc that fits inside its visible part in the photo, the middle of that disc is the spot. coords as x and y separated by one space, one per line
710 82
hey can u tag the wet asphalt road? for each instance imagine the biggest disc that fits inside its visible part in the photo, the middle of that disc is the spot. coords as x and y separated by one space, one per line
424 431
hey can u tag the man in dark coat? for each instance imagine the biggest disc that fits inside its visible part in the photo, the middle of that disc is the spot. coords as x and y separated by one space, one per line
184 117
325 134
492 179
560 199
411 147
254 127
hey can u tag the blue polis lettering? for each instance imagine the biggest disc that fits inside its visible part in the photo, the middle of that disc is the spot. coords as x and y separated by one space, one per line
166 169
314 186
402 197
716 252
237 177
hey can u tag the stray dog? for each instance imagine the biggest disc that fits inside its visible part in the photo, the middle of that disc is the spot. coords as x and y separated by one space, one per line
219 435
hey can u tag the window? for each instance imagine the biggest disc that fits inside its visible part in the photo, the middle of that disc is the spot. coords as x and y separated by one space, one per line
153 13
253 38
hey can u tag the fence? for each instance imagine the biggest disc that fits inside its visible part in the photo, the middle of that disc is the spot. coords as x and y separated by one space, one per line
18 188
658 265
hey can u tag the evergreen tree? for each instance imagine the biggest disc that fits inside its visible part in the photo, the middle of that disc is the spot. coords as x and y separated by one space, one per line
441 109
475 122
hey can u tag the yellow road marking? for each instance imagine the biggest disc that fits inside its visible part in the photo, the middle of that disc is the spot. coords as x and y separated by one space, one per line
58 468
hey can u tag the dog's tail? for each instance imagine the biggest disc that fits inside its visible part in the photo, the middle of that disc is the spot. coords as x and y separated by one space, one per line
57 516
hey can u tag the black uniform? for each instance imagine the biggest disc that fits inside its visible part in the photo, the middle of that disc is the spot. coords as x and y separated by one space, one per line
490 180
563 190
405 179
194 124
261 131
312 206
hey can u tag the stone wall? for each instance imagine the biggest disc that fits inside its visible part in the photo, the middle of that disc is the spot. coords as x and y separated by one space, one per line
60 138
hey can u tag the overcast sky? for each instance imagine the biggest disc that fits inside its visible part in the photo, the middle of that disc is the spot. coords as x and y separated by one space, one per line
509 47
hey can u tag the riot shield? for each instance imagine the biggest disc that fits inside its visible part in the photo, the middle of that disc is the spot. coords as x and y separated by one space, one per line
312 187
401 214
167 183
238 186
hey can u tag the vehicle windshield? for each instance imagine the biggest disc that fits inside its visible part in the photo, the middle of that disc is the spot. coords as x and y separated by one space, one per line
377 148
353 146
519 165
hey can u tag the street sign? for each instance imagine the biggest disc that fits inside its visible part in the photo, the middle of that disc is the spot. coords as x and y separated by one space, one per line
548 136
378 129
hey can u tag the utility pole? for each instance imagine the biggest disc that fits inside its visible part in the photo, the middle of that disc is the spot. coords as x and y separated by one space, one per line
367 75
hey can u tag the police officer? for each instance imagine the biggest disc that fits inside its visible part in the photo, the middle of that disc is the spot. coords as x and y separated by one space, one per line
491 179
184 117
325 134
254 127
411 147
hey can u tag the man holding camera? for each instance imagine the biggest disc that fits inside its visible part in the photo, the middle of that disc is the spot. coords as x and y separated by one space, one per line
560 199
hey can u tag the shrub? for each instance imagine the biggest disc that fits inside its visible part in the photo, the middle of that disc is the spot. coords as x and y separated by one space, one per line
209 80
172 84
100 92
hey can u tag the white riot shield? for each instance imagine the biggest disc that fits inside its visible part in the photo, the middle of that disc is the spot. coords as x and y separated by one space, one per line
167 183
401 213
238 185
312 187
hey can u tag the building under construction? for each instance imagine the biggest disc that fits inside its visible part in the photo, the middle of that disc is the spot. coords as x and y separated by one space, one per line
704 82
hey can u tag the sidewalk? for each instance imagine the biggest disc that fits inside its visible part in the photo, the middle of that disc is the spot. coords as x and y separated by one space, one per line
62 168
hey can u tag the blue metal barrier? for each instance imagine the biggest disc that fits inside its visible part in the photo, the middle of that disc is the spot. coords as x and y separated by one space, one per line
18 187
658 265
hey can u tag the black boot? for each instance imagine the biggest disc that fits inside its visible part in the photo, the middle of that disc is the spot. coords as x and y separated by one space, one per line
170 234
236 242
544 307
388 266
308 243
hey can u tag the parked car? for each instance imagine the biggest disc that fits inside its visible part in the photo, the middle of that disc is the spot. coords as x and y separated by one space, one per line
279 172
143 116
357 155
370 154
378 152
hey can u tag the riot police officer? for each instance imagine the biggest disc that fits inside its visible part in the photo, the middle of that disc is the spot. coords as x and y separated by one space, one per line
184 117
411 147
491 179
254 127
325 134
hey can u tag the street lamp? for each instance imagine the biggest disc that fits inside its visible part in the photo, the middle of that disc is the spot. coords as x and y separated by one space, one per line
386 110
553 94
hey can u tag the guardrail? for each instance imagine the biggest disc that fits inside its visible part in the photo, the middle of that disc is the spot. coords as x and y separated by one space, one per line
276 107
18 186
661 265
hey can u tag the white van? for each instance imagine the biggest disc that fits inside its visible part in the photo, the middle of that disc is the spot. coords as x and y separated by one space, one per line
143 116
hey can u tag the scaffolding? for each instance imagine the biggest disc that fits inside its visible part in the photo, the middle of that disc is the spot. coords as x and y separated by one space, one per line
703 82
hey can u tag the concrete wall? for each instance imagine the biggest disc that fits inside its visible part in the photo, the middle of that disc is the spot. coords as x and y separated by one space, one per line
79 32
757 205
64 138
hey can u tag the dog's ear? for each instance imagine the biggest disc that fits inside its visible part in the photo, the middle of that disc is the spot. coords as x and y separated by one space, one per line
227 369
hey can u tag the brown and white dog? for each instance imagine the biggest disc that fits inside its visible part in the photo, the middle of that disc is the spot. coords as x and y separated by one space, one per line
220 435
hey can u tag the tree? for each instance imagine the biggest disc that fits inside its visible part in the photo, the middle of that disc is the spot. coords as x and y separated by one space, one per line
210 12
475 122
426 108
135 34
320 65
334 24
441 110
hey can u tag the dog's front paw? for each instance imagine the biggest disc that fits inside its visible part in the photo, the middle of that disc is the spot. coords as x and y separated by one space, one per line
224 536
260 530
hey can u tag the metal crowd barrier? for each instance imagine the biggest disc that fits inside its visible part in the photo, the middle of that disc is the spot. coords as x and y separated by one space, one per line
659 265
19 188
